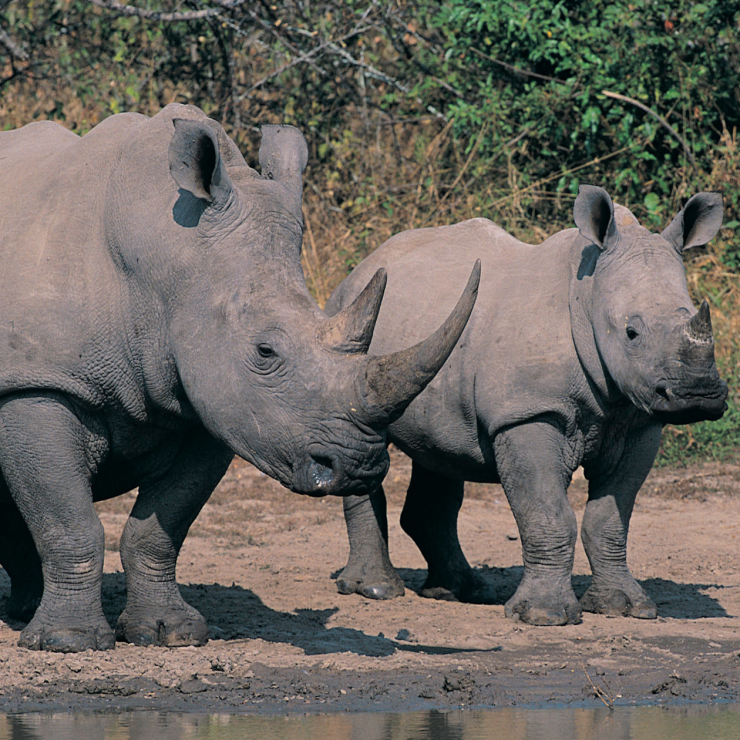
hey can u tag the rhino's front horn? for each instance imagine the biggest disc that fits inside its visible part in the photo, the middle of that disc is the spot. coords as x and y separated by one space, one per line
699 326
351 330
391 382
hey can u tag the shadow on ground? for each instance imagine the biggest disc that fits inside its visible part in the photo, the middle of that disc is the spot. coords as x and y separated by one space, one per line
236 613
674 600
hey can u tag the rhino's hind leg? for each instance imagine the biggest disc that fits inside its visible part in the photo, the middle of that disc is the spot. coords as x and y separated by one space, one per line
44 462
156 613
611 497
429 517
369 571
533 464
19 557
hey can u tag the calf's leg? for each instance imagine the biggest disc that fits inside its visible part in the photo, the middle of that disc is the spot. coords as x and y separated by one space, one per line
46 462
429 517
534 465
611 497
156 613
369 571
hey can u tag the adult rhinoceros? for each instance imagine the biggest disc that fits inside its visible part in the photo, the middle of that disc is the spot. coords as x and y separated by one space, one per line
577 353
154 321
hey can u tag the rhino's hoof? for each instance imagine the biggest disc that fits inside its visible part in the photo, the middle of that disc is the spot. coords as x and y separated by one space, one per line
438 592
544 612
384 587
473 589
617 603
191 631
70 640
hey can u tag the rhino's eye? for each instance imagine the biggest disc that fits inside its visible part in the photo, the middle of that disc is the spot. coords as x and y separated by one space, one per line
264 350
632 333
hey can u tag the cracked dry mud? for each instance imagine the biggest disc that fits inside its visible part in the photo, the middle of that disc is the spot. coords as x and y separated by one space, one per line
259 564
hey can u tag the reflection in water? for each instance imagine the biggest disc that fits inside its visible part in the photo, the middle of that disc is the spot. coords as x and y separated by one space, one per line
624 723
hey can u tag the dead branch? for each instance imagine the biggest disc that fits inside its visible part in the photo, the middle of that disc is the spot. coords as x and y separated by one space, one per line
12 46
657 117
156 15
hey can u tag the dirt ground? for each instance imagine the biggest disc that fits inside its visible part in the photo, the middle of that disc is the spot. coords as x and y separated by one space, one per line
259 563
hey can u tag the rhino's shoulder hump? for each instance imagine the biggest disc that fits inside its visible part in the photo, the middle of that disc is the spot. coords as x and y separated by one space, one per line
36 137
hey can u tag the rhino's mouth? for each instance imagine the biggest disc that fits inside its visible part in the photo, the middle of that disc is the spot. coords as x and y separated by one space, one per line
323 474
701 404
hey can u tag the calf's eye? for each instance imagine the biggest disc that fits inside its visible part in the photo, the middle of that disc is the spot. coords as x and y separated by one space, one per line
632 333
265 350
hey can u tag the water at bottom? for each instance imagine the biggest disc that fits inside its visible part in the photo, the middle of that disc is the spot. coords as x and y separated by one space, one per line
694 722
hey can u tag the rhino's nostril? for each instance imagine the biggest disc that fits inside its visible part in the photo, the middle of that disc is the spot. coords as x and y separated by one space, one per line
663 392
321 471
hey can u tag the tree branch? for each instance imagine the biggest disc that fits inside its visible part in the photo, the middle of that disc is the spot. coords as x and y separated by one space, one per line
12 46
657 117
156 15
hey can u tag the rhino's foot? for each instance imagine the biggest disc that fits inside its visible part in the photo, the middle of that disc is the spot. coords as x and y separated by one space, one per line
631 601
540 602
41 635
471 588
381 585
21 606
170 628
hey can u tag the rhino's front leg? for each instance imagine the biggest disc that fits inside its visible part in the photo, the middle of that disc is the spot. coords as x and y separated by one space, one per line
604 529
156 613
46 461
534 467
369 571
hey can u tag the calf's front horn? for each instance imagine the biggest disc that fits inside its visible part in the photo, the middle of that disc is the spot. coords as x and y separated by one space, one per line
389 383
699 326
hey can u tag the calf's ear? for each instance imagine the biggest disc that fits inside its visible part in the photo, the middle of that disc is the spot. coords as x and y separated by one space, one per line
593 213
697 223
195 161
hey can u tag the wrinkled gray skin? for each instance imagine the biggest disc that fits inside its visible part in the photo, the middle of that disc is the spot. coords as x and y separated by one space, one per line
577 353
154 321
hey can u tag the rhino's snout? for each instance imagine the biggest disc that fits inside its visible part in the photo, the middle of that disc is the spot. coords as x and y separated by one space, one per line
706 402
322 473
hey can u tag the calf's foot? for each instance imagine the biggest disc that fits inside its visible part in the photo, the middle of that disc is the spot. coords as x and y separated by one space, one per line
541 602
178 625
380 583
624 600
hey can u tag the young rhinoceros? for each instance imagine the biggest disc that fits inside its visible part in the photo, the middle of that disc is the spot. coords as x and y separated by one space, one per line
577 353
154 321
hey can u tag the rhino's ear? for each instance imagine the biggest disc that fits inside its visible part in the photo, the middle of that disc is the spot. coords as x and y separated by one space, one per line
284 156
195 161
594 216
697 223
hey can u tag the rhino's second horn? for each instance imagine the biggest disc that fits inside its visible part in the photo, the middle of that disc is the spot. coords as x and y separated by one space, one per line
351 330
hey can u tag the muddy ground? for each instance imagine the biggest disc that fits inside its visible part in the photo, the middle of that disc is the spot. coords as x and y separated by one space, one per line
260 564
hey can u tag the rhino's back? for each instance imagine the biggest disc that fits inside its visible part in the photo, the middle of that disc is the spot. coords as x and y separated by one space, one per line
58 288
515 359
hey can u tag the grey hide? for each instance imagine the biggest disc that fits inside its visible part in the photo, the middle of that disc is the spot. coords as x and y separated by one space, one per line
154 320
578 351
